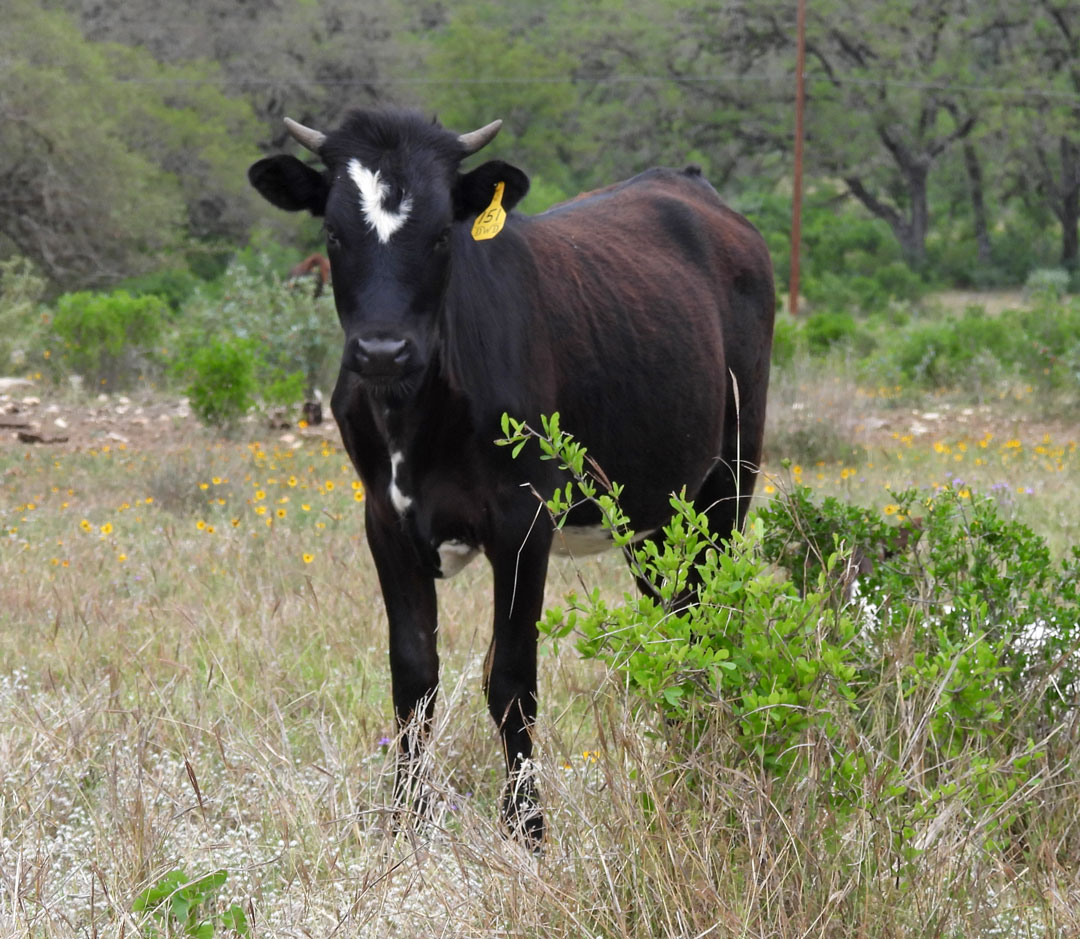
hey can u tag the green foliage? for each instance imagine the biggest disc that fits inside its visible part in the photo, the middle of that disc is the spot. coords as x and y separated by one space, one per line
849 261
1022 243
1047 283
108 338
930 350
943 352
922 656
21 322
292 331
786 340
172 284
825 330
178 906
109 155
223 385
749 644
232 344
985 588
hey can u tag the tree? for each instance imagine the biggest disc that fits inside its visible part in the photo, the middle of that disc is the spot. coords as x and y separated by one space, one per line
891 89
308 60
896 95
107 158
1049 55
590 92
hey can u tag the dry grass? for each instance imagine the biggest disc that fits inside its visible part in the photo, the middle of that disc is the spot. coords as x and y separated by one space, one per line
177 689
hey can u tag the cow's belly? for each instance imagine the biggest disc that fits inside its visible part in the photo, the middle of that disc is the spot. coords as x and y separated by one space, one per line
569 541
581 540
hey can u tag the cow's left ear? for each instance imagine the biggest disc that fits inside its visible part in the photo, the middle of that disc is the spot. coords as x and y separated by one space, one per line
289 184
475 189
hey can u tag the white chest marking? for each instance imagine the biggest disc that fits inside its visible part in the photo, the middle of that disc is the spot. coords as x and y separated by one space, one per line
373 192
401 501
453 556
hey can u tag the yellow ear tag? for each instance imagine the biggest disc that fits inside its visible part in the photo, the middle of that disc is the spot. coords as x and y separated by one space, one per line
490 222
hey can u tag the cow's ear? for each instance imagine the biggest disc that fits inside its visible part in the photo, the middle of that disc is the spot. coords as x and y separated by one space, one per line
289 184
475 188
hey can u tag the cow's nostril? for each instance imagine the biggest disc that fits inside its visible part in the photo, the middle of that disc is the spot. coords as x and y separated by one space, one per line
382 356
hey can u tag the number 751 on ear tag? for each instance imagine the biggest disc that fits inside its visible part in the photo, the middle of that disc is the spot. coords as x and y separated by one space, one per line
490 222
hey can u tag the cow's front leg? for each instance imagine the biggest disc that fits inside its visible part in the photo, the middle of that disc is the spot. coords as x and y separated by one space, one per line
520 568
411 609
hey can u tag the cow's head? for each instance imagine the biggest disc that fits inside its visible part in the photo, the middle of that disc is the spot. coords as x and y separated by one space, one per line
396 210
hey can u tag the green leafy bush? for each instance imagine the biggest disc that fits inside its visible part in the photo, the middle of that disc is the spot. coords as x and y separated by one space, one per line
904 657
825 330
849 261
292 331
108 338
179 906
1039 346
776 661
944 353
1047 283
173 285
227 378
222 381
949 564
21 323
786 340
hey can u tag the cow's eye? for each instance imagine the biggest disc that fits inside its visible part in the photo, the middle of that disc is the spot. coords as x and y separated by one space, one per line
442 242
332 237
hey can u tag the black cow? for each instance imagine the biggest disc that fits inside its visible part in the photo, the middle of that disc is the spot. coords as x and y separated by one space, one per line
642 313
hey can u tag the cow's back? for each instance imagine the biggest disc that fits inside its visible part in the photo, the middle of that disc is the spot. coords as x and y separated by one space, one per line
652 290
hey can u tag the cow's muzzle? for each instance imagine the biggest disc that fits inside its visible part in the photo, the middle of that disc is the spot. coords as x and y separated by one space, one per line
379 360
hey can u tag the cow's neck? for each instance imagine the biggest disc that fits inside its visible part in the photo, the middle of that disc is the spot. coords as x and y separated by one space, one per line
422 430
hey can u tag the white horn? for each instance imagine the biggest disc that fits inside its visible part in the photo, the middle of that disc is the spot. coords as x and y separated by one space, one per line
478 139
311 139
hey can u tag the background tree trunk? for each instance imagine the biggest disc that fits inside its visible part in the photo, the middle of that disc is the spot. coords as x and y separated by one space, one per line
978 203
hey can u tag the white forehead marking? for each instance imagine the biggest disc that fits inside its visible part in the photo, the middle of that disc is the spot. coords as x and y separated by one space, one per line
401 501
372 193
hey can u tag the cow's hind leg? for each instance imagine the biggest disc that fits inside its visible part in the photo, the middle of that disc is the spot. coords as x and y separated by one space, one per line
725 495
520 568
411 609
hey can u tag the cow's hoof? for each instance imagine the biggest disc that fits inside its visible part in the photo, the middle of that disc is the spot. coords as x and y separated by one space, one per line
523 818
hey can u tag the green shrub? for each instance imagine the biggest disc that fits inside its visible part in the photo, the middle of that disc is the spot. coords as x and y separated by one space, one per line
912 659
948 352
841 244
108 338
1047 283
178 906
949 563
22 324
222 381
825 330
292 331
173 285
779 661
786 338
897 281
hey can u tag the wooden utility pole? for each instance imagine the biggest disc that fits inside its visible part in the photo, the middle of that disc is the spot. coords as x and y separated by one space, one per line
796 189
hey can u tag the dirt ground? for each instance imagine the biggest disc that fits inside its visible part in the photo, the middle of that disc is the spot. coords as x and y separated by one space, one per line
40 416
